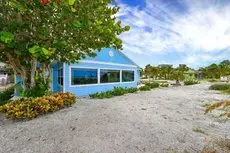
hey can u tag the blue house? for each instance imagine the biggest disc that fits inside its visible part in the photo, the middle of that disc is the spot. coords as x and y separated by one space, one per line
110 68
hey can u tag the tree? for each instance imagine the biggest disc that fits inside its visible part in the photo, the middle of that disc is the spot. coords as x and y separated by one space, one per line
148 71
226 62
38 32
178 74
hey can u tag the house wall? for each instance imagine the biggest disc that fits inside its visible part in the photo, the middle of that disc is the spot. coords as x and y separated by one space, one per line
83 90
104 56
105 59
54 83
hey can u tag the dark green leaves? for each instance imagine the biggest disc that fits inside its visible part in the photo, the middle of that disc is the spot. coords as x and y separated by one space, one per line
6 37
40 52
77 24
17 5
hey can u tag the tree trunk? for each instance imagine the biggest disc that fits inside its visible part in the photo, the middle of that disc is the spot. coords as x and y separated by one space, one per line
33 72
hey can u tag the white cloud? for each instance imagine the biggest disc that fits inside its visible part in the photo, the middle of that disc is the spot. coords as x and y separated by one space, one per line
202 28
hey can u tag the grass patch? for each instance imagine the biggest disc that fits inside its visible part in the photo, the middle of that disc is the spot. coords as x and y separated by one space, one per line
221 87
212 80
198 130
219 105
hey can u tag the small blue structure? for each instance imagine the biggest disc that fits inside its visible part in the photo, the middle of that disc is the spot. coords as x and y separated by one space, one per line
110 68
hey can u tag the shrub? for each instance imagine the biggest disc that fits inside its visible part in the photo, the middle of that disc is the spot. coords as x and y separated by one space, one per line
190 82
68 98
119 91
220 87
29 108
102 95
222 104
131 90
39 90
6 95
145 88
213 80
153 85
164 85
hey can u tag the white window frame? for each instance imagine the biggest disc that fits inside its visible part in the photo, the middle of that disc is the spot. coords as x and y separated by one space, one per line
128 81
114 70
62 67
99 72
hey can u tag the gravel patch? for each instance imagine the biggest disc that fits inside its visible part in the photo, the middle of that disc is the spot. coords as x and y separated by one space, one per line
163 120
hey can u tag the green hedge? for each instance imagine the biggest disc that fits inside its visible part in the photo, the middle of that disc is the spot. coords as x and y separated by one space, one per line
153 85
145 88
191 82
117 91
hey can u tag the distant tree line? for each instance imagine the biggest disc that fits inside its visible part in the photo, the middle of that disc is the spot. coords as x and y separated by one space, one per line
215 71
165 72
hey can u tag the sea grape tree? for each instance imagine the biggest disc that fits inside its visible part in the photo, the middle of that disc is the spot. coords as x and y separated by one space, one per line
38 32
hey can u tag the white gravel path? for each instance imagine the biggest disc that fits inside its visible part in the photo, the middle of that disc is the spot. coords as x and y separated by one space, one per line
157 121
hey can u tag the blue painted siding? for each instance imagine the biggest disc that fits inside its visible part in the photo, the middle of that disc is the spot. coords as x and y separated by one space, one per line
56 86
117 57
103 60
84 90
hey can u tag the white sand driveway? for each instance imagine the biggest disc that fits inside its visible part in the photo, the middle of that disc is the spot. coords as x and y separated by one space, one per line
161 120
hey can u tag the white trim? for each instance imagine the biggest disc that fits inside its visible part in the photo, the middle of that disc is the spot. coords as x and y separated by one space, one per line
120 76
98 72
63 77
98 76
107 63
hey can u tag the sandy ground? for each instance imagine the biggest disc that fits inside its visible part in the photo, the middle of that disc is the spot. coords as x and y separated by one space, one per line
159 121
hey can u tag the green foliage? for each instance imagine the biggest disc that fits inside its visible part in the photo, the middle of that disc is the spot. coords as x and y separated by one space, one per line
215 71
152 85
213 80
117 91
102 95
132 90
164 85
30 108
198 130
6 37
6 95
43 31
40 89
220 87
145 88
190 82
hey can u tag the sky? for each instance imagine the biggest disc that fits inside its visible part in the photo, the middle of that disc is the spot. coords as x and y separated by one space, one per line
192 32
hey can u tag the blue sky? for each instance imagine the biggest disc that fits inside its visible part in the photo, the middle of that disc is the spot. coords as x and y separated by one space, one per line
192 32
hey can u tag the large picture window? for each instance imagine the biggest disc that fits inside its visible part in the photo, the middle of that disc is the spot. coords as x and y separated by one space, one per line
81 76
109 76
127 76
